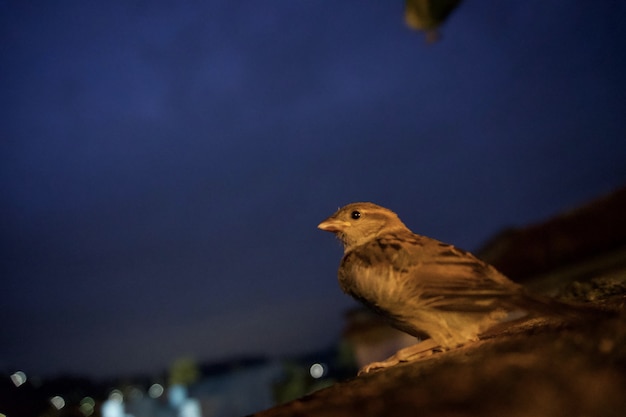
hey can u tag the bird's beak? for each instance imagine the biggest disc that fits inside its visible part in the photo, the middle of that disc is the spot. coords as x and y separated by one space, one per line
333 225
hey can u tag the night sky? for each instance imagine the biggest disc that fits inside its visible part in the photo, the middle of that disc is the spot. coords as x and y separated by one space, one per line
164 164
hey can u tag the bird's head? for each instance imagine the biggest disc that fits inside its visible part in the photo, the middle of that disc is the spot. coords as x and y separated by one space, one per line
357 223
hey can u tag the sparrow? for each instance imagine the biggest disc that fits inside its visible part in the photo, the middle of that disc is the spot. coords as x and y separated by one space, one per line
432 290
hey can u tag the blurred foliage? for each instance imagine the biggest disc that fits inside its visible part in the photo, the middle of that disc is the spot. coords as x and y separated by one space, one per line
184 371
428 15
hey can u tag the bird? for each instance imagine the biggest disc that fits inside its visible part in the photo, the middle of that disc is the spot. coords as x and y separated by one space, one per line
443 295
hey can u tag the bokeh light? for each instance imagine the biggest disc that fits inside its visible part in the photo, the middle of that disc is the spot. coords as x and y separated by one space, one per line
116 395
134 394
58 402
156 390
87 406
18 378
317 370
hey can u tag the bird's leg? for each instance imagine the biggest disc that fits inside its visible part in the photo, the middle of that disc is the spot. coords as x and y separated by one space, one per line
409 353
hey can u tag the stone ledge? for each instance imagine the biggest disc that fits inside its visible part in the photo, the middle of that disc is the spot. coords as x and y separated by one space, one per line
537 369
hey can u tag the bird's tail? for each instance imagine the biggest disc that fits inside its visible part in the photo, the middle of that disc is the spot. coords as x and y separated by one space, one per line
564 311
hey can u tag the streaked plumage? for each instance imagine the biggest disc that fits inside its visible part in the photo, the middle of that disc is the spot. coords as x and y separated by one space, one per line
424 287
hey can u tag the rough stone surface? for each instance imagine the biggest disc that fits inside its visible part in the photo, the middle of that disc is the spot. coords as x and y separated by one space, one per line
536 368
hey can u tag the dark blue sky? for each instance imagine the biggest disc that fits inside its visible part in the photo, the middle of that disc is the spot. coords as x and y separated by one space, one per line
164 164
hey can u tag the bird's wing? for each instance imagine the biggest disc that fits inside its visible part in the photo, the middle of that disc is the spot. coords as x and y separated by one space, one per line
439 275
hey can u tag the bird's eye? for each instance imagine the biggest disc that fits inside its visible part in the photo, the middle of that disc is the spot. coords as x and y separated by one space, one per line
355 215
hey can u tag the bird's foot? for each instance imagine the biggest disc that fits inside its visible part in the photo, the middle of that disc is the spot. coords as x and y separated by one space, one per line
407 354
375 366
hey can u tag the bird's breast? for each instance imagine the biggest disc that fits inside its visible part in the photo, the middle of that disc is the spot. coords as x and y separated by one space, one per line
379 285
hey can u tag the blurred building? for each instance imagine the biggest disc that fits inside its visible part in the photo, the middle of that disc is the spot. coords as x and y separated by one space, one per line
236 388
